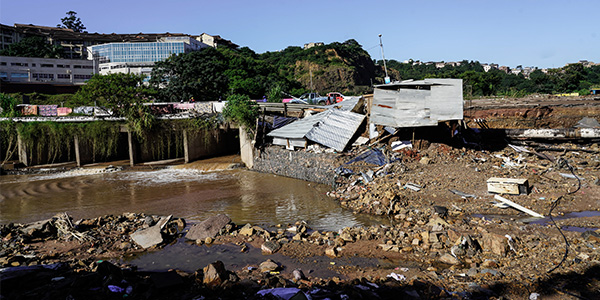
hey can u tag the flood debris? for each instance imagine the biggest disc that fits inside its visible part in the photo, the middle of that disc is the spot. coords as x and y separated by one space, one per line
517 206
462 194
152 236
511 186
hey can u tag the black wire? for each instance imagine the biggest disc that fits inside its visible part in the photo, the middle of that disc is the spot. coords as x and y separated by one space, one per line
553 206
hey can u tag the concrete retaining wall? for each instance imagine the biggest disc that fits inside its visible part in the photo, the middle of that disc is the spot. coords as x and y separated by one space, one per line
302 165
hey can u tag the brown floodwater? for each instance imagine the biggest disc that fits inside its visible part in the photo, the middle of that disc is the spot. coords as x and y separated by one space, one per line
194 192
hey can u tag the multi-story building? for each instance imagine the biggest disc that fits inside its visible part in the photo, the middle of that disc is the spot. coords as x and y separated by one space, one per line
75 43
45 70
125 53
139 57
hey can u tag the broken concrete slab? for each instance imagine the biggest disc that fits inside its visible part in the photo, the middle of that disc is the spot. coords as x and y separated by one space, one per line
270 247
151 236
208 228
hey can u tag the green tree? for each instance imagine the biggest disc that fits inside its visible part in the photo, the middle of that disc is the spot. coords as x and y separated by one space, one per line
198 74
71 21
34 46
8 106
124 94
114 91
243 111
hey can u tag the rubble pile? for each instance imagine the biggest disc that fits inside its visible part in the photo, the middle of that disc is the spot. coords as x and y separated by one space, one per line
434 252
456 178
59 238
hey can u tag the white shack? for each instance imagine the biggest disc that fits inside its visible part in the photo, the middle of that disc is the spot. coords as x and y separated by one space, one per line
415 103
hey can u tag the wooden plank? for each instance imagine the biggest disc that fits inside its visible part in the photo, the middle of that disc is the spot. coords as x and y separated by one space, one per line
517 206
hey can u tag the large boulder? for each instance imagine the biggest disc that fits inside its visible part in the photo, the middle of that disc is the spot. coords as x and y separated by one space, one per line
214 274
208 228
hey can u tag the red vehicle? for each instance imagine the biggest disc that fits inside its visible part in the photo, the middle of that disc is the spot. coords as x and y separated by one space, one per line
335 97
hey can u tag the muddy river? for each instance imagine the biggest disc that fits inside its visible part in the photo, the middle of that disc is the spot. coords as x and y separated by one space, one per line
188 191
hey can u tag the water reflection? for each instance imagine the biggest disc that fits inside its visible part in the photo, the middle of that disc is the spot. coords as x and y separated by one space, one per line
245 196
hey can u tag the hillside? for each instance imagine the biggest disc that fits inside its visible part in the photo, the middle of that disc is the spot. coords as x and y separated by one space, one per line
343 67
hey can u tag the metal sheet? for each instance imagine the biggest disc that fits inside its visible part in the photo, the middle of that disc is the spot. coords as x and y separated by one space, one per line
417 103
332 128
336 130
299 129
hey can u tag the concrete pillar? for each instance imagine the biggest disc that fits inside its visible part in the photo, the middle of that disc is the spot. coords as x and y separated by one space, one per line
22 148
83 153
132 149
246 148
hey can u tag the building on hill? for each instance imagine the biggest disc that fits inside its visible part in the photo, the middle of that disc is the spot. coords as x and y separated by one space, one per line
97 53
139 57
310 45
43 75
75 43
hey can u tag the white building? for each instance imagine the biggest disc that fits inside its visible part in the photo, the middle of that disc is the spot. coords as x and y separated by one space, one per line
45 70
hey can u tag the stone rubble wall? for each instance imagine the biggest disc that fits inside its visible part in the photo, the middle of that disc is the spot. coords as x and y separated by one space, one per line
309 166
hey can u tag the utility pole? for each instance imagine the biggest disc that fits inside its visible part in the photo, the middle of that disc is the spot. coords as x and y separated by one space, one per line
387 78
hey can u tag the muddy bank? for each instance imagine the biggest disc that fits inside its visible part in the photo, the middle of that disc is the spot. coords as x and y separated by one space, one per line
431 254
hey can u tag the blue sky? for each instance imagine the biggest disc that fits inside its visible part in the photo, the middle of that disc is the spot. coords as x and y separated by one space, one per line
542 33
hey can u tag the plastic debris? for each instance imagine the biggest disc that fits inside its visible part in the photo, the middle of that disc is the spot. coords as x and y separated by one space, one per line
566 175
464 195
399 145
368 176
412 186
343 171
398 277
534 296
116 289
281 293
373 156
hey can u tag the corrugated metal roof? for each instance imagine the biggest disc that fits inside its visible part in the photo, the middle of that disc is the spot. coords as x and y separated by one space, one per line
349 104
336 130
300 128
332 128
408 83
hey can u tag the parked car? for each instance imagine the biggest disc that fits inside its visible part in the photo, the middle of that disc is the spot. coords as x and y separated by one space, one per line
310 98
335 97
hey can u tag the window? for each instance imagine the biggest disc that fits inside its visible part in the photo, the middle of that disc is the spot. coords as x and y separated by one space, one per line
76 67
3 63
76 76
63 76
47 65
3 75
19 75
88 67
17 64
63 66
42 76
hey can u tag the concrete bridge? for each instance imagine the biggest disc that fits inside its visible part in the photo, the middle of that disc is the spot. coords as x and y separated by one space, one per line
196 143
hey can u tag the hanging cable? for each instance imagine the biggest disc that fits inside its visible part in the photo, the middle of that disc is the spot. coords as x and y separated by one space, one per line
553 206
